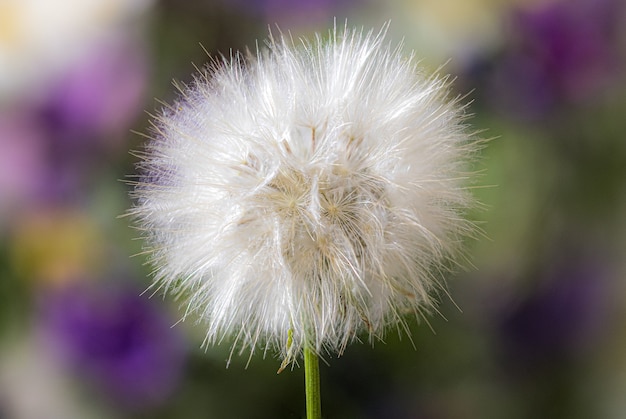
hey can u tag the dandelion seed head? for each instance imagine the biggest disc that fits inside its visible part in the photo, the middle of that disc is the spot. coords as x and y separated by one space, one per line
306 194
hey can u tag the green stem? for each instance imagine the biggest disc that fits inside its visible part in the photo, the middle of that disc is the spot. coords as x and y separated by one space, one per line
312 385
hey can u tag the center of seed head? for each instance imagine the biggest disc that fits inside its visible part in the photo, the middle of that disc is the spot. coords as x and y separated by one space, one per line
288 189
332 210
324 209
315 209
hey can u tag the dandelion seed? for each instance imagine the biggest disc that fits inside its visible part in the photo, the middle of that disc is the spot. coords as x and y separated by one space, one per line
307 194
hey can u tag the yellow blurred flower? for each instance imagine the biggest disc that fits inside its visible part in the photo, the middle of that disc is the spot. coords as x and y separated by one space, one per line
57 246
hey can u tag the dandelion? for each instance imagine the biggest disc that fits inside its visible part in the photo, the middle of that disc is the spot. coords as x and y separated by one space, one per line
307 194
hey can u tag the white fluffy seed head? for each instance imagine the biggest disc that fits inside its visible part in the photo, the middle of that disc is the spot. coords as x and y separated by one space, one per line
307 194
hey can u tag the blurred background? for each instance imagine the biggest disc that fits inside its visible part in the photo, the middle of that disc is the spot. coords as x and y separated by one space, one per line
534 328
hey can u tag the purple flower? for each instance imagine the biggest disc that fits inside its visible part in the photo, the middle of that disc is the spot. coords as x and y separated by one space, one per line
21 163
574 43
563 315
559 53
120 340
100 96
32 169
53 148
80 122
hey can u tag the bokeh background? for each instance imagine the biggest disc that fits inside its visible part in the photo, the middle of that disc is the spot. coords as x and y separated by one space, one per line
535 327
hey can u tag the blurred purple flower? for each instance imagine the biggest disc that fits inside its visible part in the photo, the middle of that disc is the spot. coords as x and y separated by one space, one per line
562 317
120 340
76 125
21 163
99 97
576 42
560 52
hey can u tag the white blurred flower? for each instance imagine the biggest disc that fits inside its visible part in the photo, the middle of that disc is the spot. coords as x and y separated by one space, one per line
33 385
39 38
308 194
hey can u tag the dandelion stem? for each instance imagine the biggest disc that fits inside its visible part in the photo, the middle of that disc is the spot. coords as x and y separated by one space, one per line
312 384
